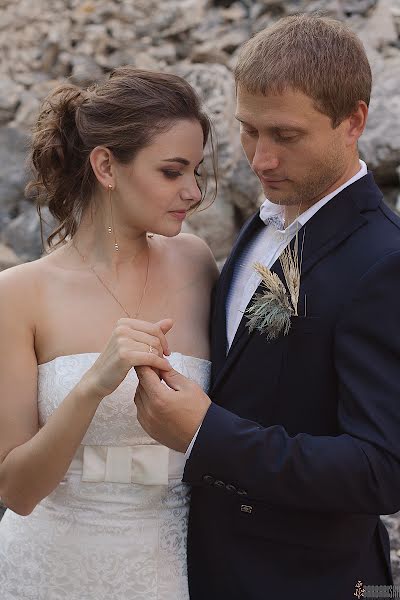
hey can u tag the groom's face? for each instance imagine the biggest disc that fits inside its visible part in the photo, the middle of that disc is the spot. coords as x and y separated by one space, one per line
291 146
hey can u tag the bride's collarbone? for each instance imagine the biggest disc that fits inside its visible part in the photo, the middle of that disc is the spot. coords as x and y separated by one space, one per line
76 316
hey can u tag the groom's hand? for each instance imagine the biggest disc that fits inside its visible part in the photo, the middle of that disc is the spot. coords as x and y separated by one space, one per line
170 416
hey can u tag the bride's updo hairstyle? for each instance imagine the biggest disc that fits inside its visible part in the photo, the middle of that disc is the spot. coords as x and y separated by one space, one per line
124 113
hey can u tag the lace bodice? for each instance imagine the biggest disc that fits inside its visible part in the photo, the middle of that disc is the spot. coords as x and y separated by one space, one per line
59 376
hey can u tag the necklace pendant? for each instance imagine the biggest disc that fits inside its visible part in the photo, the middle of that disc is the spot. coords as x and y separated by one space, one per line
109 230
116 247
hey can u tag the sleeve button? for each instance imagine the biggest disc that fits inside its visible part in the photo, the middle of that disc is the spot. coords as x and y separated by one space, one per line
219 484
208 479
231 488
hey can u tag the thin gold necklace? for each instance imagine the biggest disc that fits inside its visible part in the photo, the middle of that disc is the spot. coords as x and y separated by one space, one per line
134 316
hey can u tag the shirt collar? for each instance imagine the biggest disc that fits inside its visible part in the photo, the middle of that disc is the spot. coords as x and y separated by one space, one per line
273 213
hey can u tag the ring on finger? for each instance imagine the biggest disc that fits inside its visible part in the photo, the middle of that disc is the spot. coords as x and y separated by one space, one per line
151 349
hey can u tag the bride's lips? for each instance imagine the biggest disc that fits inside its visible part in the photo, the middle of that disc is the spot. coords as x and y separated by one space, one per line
180 215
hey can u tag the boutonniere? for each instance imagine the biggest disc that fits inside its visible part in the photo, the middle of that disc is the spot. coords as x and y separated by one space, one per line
271 311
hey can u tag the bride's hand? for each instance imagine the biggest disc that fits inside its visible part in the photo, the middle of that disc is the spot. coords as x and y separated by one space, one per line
133 343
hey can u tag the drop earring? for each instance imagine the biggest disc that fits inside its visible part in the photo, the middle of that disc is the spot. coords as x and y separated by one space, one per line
109 200
111 228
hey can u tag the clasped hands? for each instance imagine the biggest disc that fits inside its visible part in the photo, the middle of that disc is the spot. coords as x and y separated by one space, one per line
170 415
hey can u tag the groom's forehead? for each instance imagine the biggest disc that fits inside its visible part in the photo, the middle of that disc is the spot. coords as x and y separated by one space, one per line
287 109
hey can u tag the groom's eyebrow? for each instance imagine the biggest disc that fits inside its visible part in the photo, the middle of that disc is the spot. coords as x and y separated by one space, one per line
275 126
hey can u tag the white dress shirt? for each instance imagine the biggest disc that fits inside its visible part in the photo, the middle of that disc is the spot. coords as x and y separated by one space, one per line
265 248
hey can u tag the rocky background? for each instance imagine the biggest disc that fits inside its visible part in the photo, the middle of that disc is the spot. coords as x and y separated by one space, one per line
45 42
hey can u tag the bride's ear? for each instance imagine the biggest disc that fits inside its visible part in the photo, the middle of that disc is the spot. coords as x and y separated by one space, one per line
101 160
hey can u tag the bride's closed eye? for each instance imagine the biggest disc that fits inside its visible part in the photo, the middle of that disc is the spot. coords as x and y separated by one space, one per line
175 174
172 174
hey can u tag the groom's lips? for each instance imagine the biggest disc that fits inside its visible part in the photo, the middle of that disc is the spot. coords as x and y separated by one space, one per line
272 180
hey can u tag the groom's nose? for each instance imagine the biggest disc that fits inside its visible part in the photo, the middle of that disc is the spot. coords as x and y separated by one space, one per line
265 157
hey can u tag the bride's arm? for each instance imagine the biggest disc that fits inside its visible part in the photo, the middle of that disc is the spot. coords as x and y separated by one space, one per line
33 461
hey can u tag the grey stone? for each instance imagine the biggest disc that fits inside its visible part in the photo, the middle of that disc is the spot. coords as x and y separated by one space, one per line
208 53
245 189
49 55
235 12
395 10
392 523
8 258
13 172
23 233
27 112
225 43
29 79
360 7
85 71
174 18
144 60
380 143
9 100
380 29
165 53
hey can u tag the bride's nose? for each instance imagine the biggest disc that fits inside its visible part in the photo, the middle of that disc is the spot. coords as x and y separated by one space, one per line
191 192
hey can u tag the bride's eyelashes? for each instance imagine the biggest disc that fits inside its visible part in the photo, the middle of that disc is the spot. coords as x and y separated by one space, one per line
172 174
175 174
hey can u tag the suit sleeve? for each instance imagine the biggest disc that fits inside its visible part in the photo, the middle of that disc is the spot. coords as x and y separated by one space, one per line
359 469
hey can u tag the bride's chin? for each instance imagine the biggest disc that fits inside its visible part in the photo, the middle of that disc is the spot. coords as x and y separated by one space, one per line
169 231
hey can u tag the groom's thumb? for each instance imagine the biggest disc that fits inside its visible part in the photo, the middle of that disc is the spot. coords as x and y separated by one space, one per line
173 379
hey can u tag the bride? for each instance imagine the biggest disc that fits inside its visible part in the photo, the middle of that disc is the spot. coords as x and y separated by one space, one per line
97 509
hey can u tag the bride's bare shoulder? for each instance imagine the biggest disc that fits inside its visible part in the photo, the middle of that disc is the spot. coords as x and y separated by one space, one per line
20 275
26 279
40 268
20 293
193 252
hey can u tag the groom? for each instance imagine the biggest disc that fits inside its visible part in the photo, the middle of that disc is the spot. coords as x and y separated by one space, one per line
296 451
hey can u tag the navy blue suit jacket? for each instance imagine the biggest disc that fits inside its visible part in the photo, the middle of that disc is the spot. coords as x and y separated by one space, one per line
299 452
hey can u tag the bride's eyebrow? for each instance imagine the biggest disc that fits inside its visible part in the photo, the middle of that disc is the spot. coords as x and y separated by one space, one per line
182 161
178 159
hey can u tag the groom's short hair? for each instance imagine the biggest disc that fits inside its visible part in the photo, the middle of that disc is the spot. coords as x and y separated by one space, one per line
316 55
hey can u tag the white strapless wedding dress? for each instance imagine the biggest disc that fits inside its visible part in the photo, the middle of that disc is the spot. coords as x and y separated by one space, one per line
115 527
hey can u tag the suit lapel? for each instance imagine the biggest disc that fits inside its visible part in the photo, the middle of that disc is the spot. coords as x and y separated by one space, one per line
338 219
324 232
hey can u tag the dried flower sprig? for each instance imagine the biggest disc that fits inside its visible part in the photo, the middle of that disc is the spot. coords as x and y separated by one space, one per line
272 310
291 266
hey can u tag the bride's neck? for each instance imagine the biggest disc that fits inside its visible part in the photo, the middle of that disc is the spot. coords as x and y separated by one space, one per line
94 241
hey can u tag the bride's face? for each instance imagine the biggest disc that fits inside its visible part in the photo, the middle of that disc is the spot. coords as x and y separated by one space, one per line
155 191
